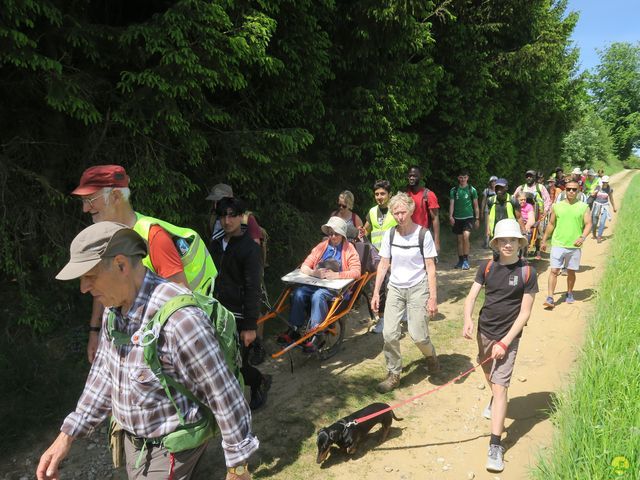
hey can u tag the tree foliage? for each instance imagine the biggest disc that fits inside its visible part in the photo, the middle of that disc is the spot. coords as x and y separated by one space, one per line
288 101
616 90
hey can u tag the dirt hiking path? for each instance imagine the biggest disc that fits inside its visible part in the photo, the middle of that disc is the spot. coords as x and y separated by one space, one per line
441 436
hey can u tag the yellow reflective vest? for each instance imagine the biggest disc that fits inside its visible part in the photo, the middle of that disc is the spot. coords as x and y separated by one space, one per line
377 230
196 259
492 212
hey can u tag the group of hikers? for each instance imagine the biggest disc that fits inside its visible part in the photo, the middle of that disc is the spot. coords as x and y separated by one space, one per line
159 340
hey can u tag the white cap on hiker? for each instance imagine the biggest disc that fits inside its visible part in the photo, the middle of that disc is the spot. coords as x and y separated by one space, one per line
336 224
507 228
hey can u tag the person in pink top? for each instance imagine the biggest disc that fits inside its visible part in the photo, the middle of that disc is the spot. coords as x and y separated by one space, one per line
332 258
526 213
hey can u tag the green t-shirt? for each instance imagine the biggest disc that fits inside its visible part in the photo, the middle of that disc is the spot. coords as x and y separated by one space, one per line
463 201
569 223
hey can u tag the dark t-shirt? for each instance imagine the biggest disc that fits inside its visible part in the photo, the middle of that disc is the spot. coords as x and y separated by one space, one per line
504 289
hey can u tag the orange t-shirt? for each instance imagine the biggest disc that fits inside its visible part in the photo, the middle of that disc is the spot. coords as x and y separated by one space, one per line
163 253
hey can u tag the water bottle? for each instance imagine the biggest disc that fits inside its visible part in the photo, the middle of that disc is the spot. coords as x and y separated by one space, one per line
183 246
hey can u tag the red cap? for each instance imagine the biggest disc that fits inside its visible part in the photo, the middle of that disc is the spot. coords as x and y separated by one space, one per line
101 176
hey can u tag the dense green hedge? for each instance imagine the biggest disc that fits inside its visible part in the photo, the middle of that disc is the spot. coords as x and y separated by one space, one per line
288 101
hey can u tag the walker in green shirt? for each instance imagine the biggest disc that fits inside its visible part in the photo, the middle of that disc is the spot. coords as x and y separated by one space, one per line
569 223
463 198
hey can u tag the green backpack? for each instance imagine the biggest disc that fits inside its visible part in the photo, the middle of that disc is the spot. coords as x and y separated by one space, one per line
192 435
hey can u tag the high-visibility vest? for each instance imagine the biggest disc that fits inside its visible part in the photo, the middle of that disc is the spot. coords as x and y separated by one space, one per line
492 213
377 230
590 186
196 259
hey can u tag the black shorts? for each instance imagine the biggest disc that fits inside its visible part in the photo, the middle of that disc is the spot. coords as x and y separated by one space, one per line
462 225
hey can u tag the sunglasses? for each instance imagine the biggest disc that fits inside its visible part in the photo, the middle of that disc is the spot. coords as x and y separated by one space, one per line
340 205
571 189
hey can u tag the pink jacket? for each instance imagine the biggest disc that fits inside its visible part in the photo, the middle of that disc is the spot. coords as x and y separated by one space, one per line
350 259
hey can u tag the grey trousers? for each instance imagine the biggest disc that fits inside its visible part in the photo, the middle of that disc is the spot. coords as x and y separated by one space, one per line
157 463
413 300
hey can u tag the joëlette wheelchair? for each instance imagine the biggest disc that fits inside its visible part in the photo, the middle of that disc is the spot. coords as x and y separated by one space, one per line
332 328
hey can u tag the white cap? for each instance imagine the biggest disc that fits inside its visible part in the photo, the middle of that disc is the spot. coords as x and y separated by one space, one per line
507 228
605 179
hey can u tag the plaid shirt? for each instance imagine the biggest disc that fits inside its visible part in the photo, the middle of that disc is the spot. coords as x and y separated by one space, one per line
121 382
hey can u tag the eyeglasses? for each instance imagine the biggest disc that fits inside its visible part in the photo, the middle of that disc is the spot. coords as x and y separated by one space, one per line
333 234
340 205
571 189
90 200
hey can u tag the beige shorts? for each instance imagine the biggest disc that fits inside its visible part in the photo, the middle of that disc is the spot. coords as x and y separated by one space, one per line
499 371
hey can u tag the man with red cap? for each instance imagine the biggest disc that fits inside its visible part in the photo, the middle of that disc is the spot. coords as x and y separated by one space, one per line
104 191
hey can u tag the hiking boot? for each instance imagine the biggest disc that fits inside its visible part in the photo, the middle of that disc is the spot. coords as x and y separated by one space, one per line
392 381
486 413
433 365
570 298
548 303
259 395
459 264
599 239
288 337
465 265
495 458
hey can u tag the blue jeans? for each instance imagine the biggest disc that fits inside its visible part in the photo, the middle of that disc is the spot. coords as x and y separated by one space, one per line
319 298
601 210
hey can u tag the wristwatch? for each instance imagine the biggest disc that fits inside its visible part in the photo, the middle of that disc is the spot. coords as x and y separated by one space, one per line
239 470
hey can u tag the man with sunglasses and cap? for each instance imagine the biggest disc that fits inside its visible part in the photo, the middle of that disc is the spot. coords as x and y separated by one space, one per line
569 225
104 192
107 258
541 197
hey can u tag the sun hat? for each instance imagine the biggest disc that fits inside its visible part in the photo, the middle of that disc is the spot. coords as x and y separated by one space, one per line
605 179
576 171
502 182
493 178
507 228
336 224
100 240
591 172
220 191
101 176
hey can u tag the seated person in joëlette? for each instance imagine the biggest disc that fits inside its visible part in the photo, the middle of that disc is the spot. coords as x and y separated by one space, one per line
334 257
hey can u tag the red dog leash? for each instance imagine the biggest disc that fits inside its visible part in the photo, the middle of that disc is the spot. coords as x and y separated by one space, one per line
424 394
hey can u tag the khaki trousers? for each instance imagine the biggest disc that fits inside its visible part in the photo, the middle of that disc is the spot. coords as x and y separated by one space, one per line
157 463
413 300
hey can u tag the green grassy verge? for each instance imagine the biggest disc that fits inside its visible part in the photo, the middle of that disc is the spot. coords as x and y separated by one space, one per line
597 418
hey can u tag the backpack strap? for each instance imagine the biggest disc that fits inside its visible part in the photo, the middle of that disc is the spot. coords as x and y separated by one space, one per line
487 269
525 272
392 233
421 235
353 218
151 349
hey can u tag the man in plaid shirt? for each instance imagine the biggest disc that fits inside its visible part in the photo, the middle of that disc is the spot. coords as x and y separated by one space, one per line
107 258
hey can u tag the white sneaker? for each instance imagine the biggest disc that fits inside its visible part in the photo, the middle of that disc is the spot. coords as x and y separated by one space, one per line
486 413
379 326
495 458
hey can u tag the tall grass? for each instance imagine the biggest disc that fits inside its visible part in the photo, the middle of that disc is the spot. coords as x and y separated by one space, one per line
598 417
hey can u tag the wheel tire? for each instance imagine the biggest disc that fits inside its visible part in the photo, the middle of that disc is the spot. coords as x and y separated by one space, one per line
333 337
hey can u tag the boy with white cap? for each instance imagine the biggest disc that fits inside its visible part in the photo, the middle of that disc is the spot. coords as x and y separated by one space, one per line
510 289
